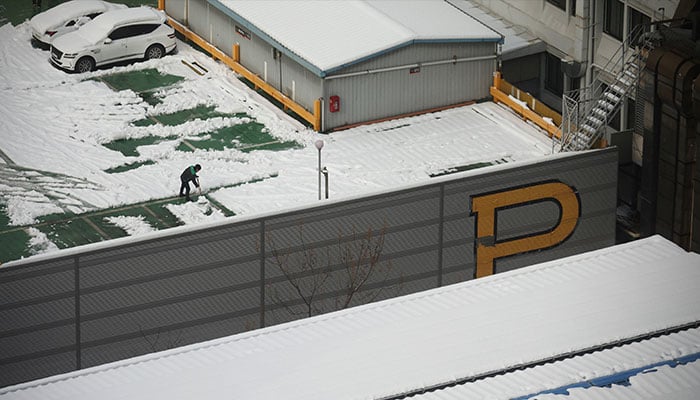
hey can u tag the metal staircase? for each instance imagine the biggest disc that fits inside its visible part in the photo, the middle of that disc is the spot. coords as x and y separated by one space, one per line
587 111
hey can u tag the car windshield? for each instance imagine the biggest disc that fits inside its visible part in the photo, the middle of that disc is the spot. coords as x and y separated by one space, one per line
94 31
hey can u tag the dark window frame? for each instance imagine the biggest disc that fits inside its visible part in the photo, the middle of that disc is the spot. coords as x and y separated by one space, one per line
553 74
558 3
613 21
129 31
636 17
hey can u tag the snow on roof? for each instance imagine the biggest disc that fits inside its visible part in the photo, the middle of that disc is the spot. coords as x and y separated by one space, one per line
621 372
328 35
423 340
102 25
66 11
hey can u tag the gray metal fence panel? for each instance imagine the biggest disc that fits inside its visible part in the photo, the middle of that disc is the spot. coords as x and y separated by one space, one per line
134 297
177 9
37 320
198 18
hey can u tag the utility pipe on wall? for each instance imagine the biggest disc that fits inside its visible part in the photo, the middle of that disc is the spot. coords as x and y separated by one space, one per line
408 66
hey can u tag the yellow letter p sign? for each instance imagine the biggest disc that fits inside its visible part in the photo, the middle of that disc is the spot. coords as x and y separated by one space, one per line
485 209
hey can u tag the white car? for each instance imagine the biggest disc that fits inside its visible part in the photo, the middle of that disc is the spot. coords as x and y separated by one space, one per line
67 17
118 35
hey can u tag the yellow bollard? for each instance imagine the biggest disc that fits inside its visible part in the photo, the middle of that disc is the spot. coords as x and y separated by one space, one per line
236 53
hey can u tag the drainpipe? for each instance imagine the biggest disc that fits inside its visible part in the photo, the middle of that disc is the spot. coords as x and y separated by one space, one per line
416 65
589 15
625 52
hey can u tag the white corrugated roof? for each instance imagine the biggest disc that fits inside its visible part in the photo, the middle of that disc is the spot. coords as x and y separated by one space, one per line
422 340
592 374
331 34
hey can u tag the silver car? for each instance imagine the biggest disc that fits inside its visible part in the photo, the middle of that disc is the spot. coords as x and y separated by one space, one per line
118 35
67 17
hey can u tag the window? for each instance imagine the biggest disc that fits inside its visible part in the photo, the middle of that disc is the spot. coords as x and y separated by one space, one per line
575 84
132 30
631 113
572 8
145 29
636 18
614 12
120 33
553 75
559 3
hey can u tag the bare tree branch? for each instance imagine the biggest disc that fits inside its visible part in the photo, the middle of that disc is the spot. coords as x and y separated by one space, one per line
350 263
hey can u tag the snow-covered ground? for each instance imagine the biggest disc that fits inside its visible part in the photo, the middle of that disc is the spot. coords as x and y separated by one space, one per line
54 125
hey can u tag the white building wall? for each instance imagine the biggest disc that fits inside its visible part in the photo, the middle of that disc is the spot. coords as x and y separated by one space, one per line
562 31
576 33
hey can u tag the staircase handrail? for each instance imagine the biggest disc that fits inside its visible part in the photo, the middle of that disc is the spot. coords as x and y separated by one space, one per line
576 104
615 63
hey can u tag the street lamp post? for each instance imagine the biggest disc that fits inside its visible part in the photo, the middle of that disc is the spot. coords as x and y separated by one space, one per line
319 146
325 176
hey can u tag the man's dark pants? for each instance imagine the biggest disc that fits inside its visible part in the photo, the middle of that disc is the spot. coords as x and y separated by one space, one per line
185 187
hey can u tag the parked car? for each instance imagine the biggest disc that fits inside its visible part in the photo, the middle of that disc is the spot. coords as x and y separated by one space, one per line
118 35
67 17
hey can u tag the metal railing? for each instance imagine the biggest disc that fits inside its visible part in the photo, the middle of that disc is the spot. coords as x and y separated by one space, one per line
526 105
587 111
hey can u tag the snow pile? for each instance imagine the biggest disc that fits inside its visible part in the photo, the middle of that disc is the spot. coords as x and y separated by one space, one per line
195 212
132 225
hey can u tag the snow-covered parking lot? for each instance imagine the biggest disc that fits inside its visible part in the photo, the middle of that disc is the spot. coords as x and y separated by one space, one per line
55 124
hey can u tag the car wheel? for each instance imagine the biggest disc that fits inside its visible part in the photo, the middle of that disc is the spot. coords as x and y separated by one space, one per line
155 51
85 64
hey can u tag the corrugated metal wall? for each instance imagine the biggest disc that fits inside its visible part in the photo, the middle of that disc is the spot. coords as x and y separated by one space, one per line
177 9
97 306
223 31
376 93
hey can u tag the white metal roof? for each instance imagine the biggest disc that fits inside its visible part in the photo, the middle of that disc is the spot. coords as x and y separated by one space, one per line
640 363
327 35
423 340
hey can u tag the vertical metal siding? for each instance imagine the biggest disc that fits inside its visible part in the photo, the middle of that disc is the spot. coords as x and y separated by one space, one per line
307 87
176 10
198 17
151 295
381 94
219 29
223 31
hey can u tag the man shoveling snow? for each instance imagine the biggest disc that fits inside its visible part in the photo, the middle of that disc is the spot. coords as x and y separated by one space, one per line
189 174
